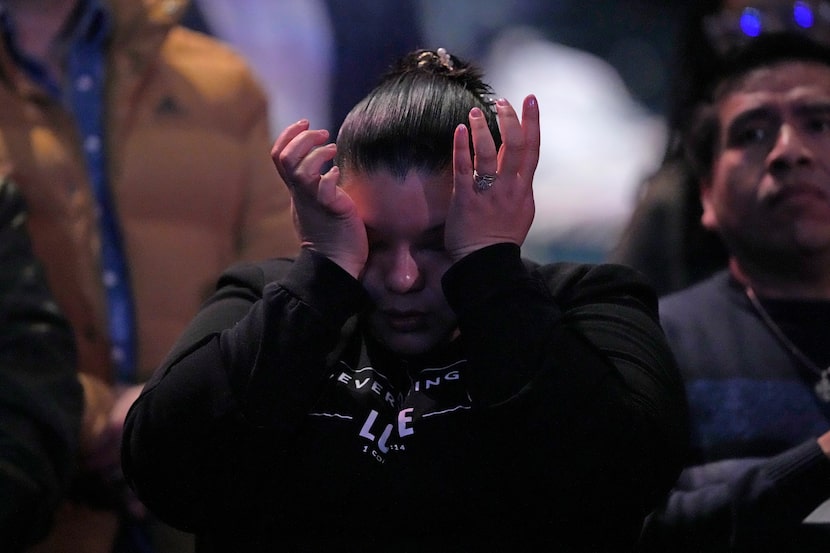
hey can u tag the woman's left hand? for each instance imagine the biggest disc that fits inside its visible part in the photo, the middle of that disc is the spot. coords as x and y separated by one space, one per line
480 217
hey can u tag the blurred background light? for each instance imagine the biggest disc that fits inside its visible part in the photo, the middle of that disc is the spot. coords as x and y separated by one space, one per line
751 24
803 14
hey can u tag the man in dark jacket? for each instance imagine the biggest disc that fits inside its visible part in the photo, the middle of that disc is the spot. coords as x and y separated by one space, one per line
753 341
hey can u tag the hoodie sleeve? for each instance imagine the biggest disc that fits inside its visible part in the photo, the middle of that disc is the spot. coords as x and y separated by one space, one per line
244 373
575 356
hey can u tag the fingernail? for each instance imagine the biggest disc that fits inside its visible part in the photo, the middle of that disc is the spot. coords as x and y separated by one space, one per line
532 100
476 113
501 102
302 122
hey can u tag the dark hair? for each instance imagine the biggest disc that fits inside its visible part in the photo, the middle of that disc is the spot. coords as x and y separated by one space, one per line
408 120
701 140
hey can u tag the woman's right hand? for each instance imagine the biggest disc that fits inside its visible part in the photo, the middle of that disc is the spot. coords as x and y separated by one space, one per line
325 216
503 212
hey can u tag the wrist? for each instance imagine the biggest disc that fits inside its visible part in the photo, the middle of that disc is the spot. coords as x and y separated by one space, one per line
457 254
349 263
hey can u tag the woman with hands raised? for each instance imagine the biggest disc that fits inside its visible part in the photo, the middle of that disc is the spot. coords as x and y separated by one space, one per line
329 222
409 382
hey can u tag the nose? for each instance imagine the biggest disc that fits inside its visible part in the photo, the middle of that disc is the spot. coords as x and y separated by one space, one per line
403 274
790 150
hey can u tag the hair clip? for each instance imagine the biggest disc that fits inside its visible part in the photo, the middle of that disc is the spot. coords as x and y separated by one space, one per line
444 58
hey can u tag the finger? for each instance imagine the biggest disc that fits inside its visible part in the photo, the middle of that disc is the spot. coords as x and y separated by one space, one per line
532 136
286 136
300 147
330 195
462 162
309 169
485 161
288 155
512 151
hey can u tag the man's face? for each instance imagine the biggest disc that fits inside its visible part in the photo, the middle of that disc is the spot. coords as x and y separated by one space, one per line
769 191
404 221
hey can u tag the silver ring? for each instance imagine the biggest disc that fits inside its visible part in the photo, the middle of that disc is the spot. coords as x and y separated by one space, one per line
483 182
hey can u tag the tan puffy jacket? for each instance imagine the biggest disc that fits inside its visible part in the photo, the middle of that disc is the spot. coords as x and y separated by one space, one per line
190 173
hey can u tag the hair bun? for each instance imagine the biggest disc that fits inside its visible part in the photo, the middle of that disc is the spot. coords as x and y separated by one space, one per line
441 63
434 61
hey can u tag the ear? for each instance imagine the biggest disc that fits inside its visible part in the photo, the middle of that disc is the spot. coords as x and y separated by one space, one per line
709 218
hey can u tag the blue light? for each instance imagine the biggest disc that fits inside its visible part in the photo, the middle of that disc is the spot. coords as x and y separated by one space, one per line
751 22
803 15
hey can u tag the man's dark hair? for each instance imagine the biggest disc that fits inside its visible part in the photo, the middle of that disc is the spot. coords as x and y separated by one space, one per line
408 120
701 140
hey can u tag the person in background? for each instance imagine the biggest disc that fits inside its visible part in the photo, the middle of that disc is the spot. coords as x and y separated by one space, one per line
334 51
664 238
141 149
752 340
409 382
289 45
40 397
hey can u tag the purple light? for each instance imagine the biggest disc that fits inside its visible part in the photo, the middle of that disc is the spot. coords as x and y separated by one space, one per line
751 22
803 15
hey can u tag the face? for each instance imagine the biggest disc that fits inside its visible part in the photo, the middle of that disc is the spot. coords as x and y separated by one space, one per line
769 190
404 221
